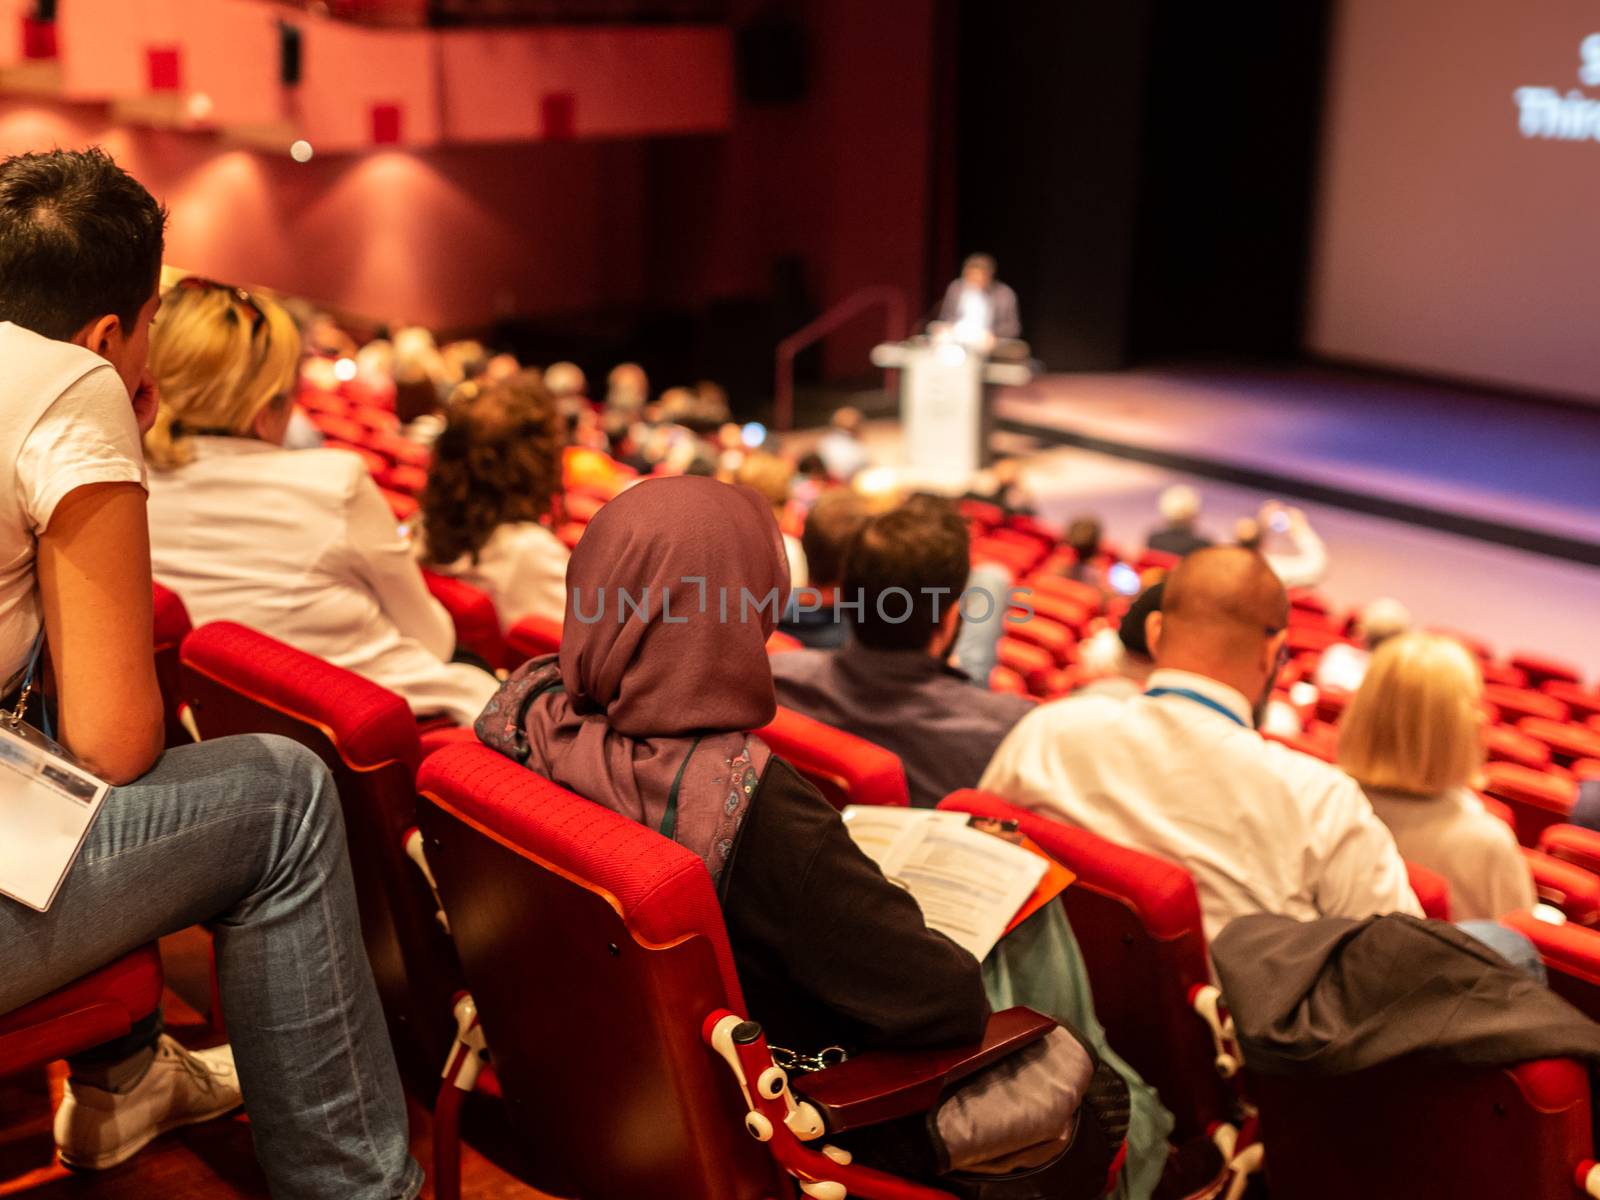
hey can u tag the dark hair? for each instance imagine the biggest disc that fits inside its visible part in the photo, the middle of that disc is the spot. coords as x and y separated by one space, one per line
919 546
812 465
1083 535
80 238
833 522
1132 629
498 461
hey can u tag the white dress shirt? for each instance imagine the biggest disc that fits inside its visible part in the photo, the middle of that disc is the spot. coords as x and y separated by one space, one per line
299 545
1260 827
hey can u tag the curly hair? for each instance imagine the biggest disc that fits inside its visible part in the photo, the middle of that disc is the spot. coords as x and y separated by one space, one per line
497 462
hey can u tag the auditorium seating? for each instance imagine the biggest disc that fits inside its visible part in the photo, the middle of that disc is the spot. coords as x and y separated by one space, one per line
844 768
100 1006
1571 955
172 625
1537 798
473 613
239 681
1411 1129
614 1019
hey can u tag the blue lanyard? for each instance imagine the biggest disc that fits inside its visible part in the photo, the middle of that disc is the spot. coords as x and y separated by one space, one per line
1199 699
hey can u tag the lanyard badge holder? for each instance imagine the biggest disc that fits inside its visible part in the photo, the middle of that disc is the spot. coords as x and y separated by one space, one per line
48 804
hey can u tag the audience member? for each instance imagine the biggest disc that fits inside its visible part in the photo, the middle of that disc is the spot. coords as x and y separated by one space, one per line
1180 510
566 383
495 477
769 477
465 361
831 525
627 389
420 384
1412 738
1118 657
243 832
1083 539
1304 563
811 480
1342 666
1180 771
648 717
298 544
891 684
840 448
1002 485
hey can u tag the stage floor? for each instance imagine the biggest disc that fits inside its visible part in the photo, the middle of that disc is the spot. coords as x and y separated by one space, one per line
1522 473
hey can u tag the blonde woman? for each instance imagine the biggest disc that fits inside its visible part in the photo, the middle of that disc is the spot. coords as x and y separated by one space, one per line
298 544
1411 738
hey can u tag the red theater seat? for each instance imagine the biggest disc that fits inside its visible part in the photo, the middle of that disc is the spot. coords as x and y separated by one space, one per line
1411 1129
1059 609
1084 595
240 681
96 1008
171 627
844 768
1571 955
1504 744
340 428
1034 663
473 613
1584 703
1503 674
1567 743
402 506
401 477
1516 703
375 463
1048 635
1432 891
1137 920
532 637
609 1014
1538 799
1573 844
1541 670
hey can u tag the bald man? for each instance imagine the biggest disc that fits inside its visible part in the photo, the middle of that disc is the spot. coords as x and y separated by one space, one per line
1180 771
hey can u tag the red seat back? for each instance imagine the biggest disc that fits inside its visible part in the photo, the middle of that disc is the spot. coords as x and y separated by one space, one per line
1432 891
240 681
594 948
1537 799
1583 702
85 1013
1515 703
1571 955
473 613
532 637
1137 920
172 625
1567 742
1541 670
844 768
1409 1129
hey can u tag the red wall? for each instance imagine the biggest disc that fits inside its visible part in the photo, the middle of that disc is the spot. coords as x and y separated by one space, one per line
448 238
840 180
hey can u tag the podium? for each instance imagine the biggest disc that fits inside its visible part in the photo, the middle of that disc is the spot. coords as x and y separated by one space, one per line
945 405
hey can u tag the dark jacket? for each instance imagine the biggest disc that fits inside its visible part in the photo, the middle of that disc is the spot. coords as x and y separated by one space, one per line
1176 539
829 952
1336 996
944 730
1003 319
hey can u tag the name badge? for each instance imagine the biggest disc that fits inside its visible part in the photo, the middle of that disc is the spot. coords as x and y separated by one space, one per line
47 805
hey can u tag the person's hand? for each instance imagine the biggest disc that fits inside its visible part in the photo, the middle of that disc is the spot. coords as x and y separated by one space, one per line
146 400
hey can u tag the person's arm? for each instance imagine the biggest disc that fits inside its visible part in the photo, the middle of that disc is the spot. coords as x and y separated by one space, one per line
94 584
1006 322
1507 882
848 938
382 560
1360 873
1304 565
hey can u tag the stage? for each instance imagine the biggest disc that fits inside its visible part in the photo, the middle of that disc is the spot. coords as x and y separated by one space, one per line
1517 472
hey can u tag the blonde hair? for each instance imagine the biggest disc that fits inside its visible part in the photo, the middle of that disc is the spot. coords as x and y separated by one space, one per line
1414 725
767 475
216 367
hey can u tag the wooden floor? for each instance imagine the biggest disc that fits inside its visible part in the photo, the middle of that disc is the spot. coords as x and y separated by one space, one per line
214 1161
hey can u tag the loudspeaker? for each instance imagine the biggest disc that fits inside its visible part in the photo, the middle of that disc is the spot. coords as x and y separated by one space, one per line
288 54
772 61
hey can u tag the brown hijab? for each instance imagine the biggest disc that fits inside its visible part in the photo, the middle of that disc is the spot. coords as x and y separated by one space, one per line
672 594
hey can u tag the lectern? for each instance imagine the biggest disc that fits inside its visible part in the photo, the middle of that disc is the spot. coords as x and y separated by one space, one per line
944 405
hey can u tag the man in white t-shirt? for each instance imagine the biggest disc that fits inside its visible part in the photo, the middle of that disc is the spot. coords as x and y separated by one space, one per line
1180 771
245 832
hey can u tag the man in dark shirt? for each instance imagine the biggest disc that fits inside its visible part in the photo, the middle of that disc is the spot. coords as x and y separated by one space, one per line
1180 509
890 683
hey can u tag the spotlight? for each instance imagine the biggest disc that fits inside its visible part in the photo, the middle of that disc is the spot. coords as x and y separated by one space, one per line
753 434
344 370
301 151
200 106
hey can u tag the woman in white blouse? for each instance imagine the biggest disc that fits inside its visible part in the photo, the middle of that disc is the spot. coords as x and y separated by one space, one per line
495 475
1411 737
296 543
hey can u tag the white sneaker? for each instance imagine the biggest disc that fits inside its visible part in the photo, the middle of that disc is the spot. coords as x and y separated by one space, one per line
97 1129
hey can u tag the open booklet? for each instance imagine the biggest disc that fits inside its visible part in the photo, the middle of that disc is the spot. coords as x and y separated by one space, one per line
972 886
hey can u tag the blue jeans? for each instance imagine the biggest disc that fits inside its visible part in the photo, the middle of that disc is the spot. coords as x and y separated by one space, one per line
1516 948
978 643
245 834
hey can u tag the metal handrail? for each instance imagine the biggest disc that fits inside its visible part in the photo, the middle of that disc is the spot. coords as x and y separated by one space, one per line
893 301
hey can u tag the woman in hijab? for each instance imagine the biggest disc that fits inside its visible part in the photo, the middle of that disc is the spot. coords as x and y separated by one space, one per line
671 596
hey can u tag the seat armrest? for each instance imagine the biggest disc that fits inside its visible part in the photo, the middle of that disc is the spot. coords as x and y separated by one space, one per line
1571 888
881 1085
